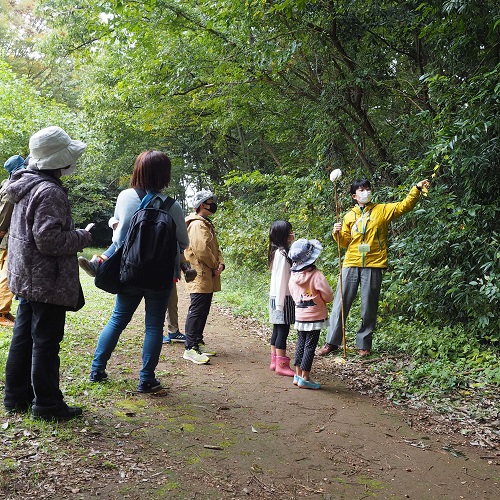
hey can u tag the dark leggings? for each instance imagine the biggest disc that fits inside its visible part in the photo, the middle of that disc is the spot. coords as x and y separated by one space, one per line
279 336
304 351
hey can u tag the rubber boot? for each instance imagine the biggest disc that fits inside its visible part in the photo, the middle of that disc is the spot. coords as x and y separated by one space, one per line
273 361
283 366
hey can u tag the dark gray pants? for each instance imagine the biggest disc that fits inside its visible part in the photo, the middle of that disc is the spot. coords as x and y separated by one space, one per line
196 319
369 280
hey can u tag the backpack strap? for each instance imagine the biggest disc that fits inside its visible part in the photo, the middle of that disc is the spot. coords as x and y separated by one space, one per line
145 197
167 204
140 193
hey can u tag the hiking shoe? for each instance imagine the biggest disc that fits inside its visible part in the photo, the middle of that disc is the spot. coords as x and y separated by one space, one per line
206 351
59 413
7 320
149 386
196 356
307 384
96 376
327 349
17 408
90 266
363 353
176 337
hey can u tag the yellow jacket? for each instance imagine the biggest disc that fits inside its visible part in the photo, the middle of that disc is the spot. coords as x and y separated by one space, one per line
369 225
203 253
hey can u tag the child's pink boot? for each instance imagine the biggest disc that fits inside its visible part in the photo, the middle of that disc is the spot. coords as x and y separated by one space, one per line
273 361
283 366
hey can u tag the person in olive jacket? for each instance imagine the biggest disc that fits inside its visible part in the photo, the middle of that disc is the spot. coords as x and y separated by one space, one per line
43 273
205 257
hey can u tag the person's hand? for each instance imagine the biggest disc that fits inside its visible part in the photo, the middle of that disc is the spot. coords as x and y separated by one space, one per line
219 270
423 184
337 227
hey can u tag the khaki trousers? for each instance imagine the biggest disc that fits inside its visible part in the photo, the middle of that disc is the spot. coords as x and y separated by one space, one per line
6 295
172 311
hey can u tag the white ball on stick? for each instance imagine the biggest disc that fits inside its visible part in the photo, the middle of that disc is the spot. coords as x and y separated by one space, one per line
335 174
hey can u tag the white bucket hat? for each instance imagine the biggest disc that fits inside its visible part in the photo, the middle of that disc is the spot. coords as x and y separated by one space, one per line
201 197
52 148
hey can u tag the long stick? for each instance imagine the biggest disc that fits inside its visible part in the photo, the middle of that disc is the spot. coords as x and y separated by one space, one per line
340 273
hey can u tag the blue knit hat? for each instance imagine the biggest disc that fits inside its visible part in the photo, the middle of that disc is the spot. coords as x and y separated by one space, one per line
14 163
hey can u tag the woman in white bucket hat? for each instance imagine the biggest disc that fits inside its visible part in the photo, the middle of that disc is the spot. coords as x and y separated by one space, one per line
43 273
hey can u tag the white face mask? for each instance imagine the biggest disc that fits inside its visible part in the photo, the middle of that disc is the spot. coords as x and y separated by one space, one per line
365 197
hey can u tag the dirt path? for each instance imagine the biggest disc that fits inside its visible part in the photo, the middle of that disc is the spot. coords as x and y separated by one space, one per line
234 429
276 439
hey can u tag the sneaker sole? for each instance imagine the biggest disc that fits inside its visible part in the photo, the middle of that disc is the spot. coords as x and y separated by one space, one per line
177 340
187 358
309 387
149 391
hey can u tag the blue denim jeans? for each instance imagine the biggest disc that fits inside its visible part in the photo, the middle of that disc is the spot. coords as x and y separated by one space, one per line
125 306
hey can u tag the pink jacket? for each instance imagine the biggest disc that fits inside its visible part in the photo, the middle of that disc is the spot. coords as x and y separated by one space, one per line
311 292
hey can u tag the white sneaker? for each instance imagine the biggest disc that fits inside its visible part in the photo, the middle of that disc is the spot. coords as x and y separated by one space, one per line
205 350
196 357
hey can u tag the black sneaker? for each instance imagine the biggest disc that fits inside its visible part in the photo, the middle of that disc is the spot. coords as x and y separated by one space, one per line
59 413
149 386
17 408
96 376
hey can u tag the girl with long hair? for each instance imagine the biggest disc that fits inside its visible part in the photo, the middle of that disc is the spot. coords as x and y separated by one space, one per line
281 305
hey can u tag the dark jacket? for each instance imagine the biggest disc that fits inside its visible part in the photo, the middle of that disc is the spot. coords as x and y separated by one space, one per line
42 262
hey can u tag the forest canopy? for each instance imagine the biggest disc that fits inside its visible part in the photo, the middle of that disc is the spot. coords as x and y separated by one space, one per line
260 100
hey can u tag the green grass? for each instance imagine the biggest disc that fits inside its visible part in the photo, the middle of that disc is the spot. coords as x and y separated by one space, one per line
245 292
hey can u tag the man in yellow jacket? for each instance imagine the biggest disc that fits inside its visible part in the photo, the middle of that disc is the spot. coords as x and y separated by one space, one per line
363 233
205 257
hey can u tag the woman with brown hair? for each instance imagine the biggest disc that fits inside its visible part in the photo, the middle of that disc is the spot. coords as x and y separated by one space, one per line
151 175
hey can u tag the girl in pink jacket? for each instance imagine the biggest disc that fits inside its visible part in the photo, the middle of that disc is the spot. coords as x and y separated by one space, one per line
311 292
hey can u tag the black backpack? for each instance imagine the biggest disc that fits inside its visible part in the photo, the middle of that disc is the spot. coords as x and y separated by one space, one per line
150 247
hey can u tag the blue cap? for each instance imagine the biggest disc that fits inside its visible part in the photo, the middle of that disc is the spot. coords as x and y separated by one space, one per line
14 163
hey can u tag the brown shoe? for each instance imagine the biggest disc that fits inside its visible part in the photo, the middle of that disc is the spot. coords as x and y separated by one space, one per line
7 320
327 349
363 353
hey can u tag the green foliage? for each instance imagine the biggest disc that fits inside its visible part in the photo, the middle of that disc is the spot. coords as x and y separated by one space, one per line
260 100
255 200
23 112
246 293
442 359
